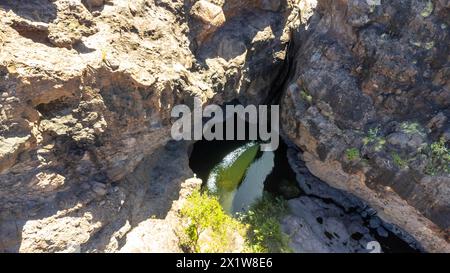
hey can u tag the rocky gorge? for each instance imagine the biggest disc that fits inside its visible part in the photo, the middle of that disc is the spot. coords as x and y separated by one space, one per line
87 163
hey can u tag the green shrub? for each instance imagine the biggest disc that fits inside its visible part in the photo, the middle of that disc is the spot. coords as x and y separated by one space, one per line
260 229
412 128
398 161
203 214
264 232
306 96
439 158
428 10
373 137
352 154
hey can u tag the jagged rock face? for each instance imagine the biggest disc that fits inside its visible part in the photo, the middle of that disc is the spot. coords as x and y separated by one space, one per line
86 91
367 95
87 86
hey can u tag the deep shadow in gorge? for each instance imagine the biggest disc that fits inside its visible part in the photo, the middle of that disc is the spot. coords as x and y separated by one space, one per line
207 154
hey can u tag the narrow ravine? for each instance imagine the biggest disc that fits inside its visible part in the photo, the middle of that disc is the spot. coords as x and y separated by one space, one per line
269 172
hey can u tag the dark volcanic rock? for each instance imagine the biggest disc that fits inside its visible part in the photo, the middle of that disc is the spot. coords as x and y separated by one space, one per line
367 100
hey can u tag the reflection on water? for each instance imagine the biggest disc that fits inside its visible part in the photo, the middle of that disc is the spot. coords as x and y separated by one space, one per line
243 178
226 177
253 185
238 180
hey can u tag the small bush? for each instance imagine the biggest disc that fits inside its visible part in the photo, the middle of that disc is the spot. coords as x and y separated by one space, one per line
373 137
439 158
204 215
264 233
412 128
398 161
306 96
352 154
428 10
207 228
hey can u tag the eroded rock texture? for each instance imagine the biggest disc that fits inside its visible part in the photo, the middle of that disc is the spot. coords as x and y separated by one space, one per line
86 91
87 86
367 96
